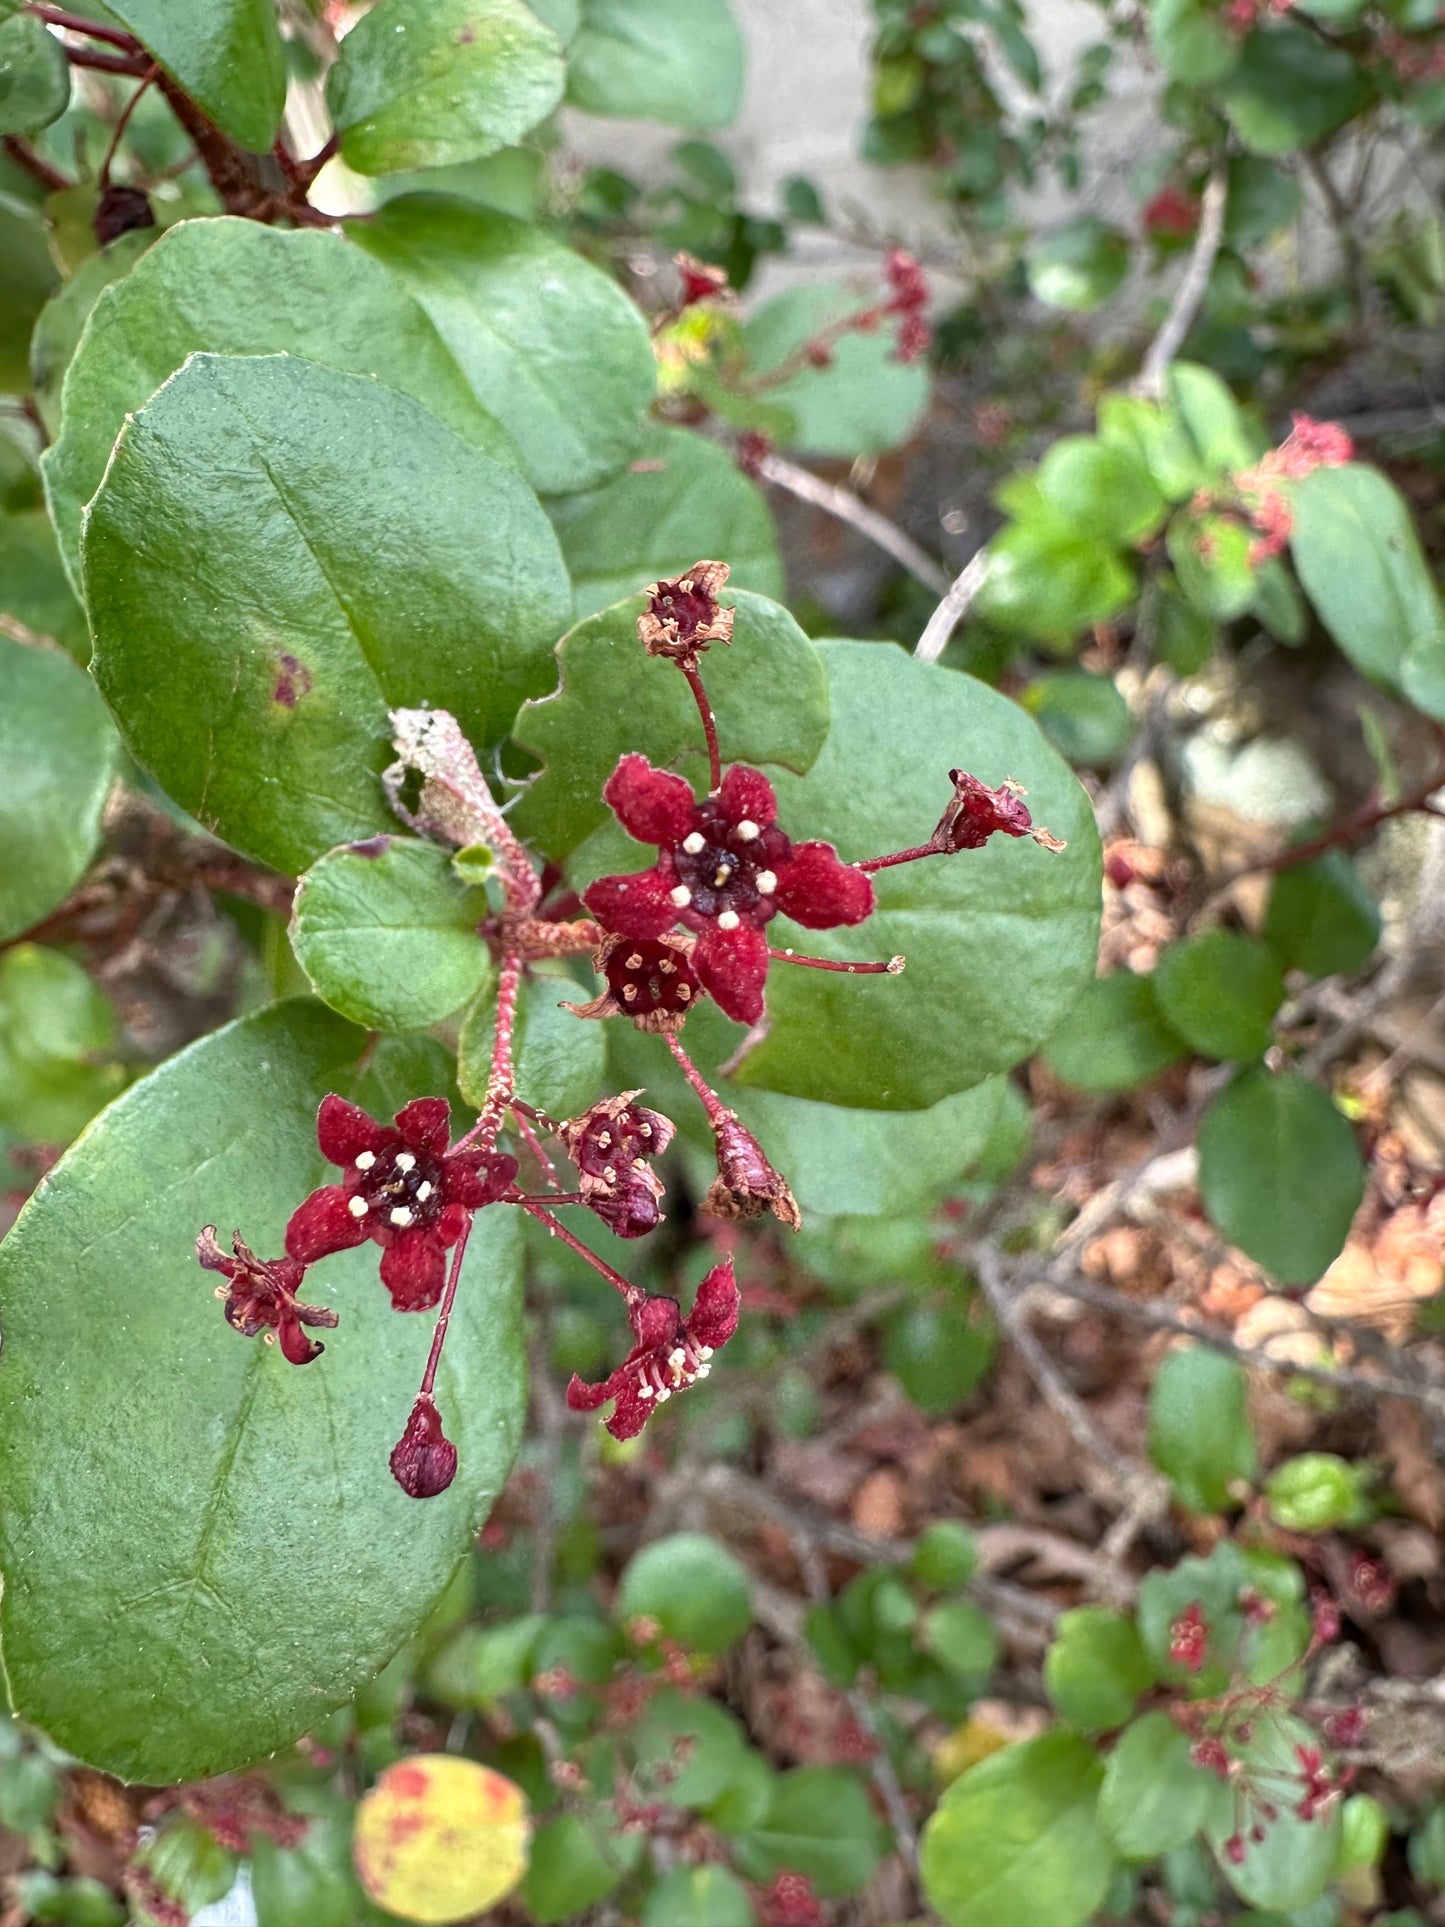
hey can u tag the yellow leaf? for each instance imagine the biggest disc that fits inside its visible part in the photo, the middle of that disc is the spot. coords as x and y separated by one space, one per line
440 1838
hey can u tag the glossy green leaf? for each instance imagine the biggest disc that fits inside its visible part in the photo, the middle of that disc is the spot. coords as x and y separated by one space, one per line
1083 715
1192 41
1291 1866
1317 1490
226 54
34 587
1114 1037
863 402
25 286
1220 991
1016 1840
701 1896
687 1749
1321 918
1290 89
576 1861
962 1638
939 1349
62 320
819 1823
203 1547
1096 1668
34 75
767 690
1262 198
1211 556
682 499
57 1037
1280 1173
58 753
1360 561
692 1587
1101 490
561 1059
312 1884
551 346
677 61
1008 933
1199 1431
1216 425
1077 266
945 1556
233 287
1154 1797
356 556
1048 582
1158 438
387 933
430 83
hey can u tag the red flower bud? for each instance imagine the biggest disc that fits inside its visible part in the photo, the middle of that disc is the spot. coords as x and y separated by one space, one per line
424 1460
746 1184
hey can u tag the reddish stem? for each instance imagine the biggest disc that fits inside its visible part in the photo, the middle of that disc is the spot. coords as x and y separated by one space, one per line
899 856
122 123
135 64
717 1112
534 1145
1353 828
632 1293
57 17
306 171
893 967
438 1337
24 155
499 1080
690 669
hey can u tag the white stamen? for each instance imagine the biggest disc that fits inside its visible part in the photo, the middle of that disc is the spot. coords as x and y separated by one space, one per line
663 1396
702 1371
747 831
704 1351
644 1390
692 844
681 896
677 1359
609 1174
405 1161
766 881
366 1160
424 1190
401 1216
357 1207
729 920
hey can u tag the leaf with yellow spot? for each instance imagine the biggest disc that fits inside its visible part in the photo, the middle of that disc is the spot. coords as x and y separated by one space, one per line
438 1838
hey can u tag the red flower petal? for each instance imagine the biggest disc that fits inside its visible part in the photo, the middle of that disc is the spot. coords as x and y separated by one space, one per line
322 1223
631 1412
747 796
635 906
714 1316
817 889
582 1397
344 1131
414 1269
295 1345
450 1225
650 804
426 1124
475 1178
657 1324
733 966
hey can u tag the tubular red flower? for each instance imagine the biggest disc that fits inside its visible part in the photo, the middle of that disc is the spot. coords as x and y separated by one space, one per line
671 1353
724 870
402 1188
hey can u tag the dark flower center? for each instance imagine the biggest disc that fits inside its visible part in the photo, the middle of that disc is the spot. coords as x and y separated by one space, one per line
647 977
611 1148
400 1187
690 609
728 868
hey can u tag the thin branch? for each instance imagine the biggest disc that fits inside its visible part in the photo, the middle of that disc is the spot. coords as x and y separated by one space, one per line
92 29
1343 224
24 155
957 600
1190 292
852 509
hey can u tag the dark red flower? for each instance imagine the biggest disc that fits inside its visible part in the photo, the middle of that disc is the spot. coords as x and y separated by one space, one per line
724 870
1172 213
403 1188
1189 1638
652 981
700 279
612 1145
671 1353
122 210
262 1296
746 1184
976 813
683 617
424 1460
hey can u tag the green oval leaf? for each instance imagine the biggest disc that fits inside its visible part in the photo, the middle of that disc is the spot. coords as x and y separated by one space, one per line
58 753
767 690
1290 89
62 320
1077 266
1220 991
678 61
57 1033
431 83
1199 1431
1096 1668
1016 1840
1010 930
34 76
1321 918
1154 1797
561 1059
695 1590
227 55
819 1823
233 287
551 346
864 401
681 499
203 1548
387 933
1280 1173
703 1896
356 557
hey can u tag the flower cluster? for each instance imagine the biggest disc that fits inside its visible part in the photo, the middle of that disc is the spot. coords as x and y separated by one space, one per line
670 1353
1309 445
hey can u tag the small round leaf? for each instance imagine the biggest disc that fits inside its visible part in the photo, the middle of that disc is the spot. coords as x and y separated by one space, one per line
439 1838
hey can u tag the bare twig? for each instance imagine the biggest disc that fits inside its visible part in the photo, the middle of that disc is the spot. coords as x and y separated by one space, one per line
852 509
24 155
1190 292
957 600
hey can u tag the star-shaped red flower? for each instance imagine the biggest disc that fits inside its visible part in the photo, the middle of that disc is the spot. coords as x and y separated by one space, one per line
724 869
401 1187
671 1353
262 1296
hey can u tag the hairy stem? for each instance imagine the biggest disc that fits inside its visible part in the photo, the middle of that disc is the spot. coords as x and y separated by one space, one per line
536 1209
709 723
892 967
439 1336
717 1112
